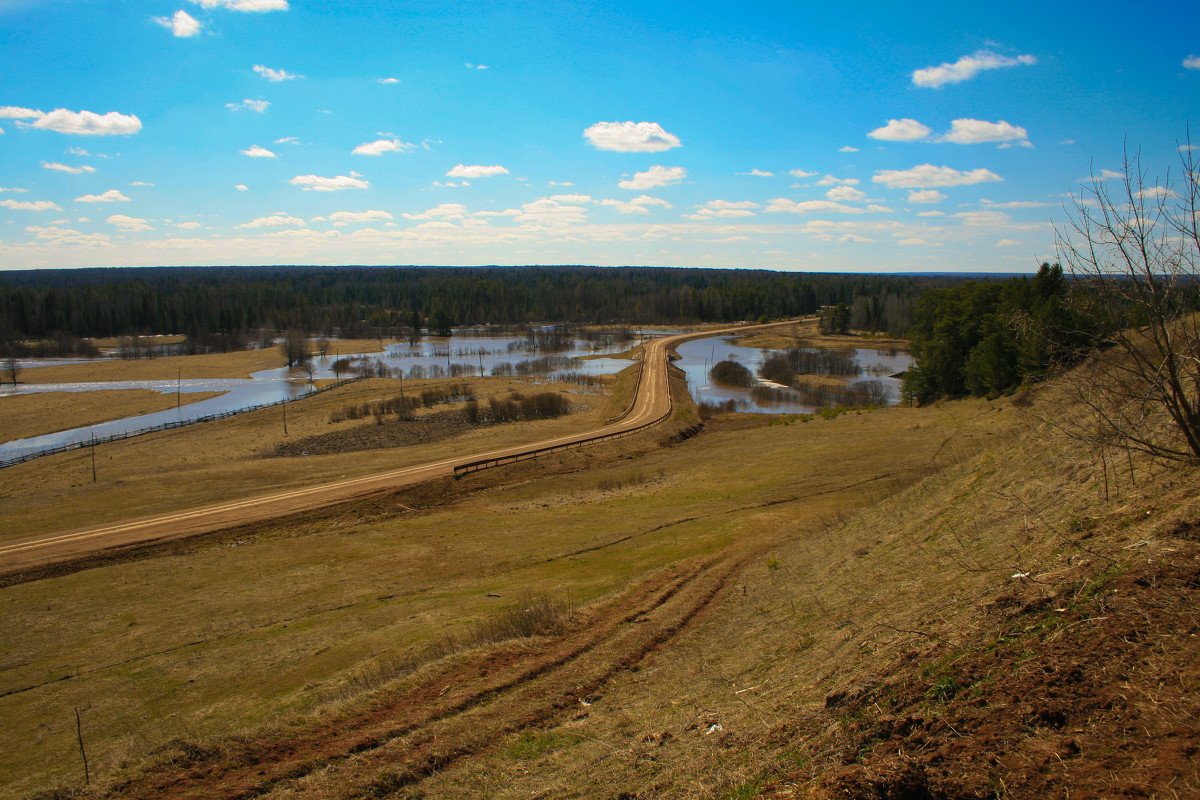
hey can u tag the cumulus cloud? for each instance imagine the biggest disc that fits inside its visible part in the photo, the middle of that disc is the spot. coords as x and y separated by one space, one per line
387 81
1008 243
65 236
341 219
714 209
549 213
76 123
140 183
274 221
916 241
1191 62
275 75
442 211
258 152
655 176
469 65
630 137
847 149
982 219
381 146
187 226
977 131
29 205
111 196
571 198
241 187
128 224
12 189
257 106
245 5
316 183
54 165
799 173
830 180
637 205
966 68
927 176
783 204
475 171
759 173
901 130
925 196
182 25
1016 204
846 194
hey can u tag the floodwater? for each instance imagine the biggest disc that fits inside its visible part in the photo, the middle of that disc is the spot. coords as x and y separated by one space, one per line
460 356
698 356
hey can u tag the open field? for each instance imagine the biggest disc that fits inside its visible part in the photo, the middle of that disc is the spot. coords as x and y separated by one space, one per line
26 415
945 601
239 364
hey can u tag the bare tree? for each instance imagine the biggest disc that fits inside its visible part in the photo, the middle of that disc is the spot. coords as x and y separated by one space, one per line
1134 250
12 368
295 348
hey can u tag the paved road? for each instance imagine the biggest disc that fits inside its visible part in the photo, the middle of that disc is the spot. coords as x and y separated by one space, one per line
652 403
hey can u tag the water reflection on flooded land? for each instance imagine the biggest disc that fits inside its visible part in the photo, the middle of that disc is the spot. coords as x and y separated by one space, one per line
698 356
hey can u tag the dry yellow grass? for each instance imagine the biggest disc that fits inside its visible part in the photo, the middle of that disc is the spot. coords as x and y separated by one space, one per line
242 634
26 415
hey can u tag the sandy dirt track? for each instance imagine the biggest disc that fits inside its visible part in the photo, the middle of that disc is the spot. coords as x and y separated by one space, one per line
652 403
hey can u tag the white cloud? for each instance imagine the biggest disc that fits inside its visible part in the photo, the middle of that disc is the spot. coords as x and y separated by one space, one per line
829 180
241 187
140 183
111 196
637 205
966 68
287 140
12 189
1105 175
983 219
977 131
927 176
274 221
442 211
275 75
387 81
931 213
782 204
66 236
847 149
77 123
799 173
64 168
916 241
845 194
381 146
245 5
759 173
182 25
79 151
714 209
925 196
341 219
128 224
469 65
1191 62
631 137
475 171
547 212
32 205
258 152
901 130
315 183
1008 243
1015 204
187 226
257 106
655 176
571 198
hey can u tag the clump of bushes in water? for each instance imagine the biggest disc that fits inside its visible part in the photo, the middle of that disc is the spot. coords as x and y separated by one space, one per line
781 367
731 373
402 406
709 409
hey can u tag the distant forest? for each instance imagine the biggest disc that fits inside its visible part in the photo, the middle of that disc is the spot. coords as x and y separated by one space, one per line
207 302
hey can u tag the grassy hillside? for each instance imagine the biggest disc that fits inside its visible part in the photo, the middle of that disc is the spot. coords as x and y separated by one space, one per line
935 602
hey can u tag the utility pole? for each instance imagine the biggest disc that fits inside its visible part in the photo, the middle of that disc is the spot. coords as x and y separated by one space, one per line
178 388
284 404
93 457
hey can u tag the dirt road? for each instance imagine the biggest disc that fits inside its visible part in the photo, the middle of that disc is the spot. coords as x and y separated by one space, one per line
652 403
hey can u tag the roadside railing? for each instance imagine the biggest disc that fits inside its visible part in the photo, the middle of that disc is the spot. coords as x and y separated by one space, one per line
166 426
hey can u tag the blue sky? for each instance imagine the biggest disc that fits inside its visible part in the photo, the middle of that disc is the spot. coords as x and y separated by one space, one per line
866 136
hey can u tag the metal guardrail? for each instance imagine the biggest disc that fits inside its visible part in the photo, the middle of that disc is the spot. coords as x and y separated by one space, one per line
166 426
637 384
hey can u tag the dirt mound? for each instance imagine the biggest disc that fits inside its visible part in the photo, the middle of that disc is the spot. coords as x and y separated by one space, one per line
1094 691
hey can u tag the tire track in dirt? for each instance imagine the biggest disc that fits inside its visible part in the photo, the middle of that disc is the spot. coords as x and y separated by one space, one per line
607 641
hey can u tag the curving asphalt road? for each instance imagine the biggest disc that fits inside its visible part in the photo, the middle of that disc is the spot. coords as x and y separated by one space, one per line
652 404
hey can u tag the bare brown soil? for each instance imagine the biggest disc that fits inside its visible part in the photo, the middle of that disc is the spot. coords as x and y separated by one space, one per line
1092 692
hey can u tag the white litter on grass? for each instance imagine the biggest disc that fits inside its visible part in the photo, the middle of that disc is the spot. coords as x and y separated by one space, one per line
1021 575
714 728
